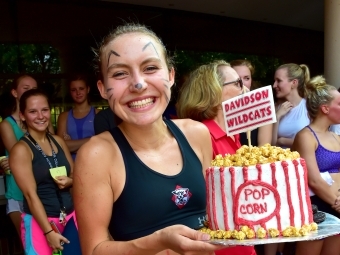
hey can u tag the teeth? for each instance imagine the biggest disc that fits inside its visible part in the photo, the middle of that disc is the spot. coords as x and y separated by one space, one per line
141 103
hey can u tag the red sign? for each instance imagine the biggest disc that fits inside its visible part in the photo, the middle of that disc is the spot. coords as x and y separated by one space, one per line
249 111
255 199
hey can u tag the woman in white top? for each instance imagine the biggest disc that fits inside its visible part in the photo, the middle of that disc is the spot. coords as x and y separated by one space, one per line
291 115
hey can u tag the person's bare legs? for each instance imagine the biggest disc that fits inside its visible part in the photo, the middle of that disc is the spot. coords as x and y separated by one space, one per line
309 247
280 248
270 249
16 219
331 246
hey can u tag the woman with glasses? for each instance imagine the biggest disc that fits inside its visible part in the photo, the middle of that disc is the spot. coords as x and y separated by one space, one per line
261 135
201 99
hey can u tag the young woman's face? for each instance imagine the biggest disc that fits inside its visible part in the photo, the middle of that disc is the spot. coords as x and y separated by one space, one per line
25 83
37 113
334 108
136 78
245 75
79 91
233 89
282 85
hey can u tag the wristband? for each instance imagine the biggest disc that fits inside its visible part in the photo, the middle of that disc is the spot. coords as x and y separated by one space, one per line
46 233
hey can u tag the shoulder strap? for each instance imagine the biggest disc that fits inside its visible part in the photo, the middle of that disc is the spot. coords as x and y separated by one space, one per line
316 137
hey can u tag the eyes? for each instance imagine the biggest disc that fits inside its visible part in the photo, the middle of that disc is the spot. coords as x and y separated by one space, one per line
44 110
121 74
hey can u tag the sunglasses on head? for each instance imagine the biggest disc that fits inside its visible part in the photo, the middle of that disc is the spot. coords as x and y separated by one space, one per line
238 83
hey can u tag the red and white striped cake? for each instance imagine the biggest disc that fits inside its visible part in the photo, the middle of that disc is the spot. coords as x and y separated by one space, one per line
272 195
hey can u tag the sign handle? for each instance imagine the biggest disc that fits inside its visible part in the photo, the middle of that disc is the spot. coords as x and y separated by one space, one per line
249 138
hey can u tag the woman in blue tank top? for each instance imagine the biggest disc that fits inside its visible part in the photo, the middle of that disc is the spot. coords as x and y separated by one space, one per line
76 125
321 150
140 188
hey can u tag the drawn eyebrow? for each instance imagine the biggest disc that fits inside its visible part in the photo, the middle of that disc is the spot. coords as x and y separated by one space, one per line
166 86
110 96
110 53
109 89
150 43
166 97
165 80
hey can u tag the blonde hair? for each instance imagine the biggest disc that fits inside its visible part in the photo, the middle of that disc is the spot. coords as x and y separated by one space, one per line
300 73
243 62
201 94
318 93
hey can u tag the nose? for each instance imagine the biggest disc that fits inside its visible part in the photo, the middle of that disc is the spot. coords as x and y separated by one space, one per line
40 115
138 85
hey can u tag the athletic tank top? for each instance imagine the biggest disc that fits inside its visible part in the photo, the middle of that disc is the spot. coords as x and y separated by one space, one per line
295 120
328 161
80 128
151 201
46 187
12 189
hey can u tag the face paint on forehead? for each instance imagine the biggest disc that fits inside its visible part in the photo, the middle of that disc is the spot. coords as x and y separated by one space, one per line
110 53
148 44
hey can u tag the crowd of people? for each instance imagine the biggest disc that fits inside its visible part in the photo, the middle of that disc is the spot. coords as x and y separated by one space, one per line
119 170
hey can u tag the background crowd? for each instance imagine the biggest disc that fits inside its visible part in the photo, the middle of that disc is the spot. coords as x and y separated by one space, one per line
145 144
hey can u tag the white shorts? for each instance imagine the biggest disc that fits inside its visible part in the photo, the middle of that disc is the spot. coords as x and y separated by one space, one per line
14 206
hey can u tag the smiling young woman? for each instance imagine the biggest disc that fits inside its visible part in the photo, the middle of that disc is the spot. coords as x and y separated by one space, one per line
46 198
140 188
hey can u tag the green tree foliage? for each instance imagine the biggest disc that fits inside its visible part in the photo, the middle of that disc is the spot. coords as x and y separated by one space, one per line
29 58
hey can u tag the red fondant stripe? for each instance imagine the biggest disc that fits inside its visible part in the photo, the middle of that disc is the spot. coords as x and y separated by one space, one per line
233 192
245 173
214 209
289 195
224 199
309 205
259 171
274 183
207 173
296 165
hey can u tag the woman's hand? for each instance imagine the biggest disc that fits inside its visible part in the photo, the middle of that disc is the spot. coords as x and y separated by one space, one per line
63 181
55 240
187 241
66 136
336 205
283 110
4 164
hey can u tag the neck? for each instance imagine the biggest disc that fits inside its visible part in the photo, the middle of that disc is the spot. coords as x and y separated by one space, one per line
320 124
38 136
294 98
219 119
148 137
82 107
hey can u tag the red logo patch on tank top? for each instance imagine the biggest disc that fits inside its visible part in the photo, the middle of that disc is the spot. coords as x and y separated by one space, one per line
181 196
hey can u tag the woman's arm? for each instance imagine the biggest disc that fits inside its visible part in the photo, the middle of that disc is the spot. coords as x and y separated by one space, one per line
306 145
264 135
21 166
7 135
281 110
73 145
95 191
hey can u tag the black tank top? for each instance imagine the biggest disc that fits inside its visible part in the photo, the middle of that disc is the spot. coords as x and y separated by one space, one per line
151 201
46 187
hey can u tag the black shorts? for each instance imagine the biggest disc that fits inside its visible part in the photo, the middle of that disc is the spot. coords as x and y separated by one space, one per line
323 206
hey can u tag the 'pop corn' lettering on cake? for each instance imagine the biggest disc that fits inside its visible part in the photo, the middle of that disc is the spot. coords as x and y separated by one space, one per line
258 192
